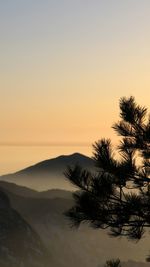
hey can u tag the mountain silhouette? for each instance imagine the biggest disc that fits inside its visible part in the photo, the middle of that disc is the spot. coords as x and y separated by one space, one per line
60 162
49 173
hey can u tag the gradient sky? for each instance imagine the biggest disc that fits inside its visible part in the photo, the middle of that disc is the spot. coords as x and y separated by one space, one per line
64 64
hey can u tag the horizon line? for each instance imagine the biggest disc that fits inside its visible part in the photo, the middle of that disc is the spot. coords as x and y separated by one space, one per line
44 144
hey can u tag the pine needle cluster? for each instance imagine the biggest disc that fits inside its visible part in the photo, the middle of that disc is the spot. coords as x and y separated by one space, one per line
117 195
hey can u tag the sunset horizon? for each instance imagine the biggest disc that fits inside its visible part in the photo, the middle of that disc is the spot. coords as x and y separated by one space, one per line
74 133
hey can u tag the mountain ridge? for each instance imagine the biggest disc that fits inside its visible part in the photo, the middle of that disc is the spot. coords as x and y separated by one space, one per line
72 158
49 173
28 192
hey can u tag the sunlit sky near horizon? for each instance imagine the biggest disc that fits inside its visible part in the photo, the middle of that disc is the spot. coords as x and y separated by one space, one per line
64 66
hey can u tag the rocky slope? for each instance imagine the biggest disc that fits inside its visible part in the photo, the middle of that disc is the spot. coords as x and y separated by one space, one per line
71 247
20 246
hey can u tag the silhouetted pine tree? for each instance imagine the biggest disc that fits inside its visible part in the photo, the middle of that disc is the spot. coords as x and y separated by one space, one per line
117 195
113 263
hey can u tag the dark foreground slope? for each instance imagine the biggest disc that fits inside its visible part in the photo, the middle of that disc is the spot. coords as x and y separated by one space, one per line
71 247
19 243
49 173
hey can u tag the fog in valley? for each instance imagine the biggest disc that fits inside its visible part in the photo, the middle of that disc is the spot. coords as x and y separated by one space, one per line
44 212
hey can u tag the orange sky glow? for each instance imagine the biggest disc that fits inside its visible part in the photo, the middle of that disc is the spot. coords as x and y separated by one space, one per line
64 66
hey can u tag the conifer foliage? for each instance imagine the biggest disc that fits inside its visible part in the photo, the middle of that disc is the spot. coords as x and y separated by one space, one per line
113 263
117 195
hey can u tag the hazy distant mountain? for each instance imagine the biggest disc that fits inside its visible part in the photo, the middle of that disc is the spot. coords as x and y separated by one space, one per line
19 190
28 192
58 164
49 173
19 243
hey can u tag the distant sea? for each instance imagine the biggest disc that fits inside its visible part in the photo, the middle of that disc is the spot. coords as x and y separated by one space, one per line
17 157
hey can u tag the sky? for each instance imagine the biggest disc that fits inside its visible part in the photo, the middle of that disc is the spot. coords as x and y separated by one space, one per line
64 64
